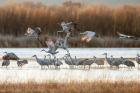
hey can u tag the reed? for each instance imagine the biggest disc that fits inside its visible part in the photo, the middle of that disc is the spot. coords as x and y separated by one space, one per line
105 20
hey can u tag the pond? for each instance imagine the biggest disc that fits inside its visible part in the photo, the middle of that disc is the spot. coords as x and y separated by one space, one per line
33 72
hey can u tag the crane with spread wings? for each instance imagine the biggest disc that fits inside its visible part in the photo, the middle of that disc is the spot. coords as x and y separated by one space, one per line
123 36
67 27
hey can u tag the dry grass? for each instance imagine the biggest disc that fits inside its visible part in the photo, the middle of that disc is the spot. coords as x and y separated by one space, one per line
105 20
72 87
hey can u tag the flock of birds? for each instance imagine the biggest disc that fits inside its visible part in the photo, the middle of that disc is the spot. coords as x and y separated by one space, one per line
62 42
50 62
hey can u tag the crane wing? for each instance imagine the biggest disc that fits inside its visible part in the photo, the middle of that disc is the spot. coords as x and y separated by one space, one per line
50 44
30 31
124 36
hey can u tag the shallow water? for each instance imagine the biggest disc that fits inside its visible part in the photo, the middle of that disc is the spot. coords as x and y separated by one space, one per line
16 75
79 52
33 72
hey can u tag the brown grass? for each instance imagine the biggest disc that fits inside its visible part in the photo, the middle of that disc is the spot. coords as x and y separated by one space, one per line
72 87
105 20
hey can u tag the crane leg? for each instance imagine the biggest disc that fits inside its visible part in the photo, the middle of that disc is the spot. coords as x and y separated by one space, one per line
89 67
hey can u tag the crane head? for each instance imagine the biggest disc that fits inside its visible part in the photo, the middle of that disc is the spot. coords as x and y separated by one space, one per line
42 50
49 55
34 56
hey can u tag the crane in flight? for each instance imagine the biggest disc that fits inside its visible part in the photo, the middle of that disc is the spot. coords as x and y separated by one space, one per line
87 36
67 27
123 36
33 32
52 47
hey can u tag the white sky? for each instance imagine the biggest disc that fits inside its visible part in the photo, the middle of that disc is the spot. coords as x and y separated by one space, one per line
54 2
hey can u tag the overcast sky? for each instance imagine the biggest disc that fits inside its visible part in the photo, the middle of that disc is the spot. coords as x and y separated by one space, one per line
54 2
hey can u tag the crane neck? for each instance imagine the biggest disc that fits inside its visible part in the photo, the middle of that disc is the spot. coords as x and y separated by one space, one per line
66 58
50 58
36 57
75 58
94 58
106 57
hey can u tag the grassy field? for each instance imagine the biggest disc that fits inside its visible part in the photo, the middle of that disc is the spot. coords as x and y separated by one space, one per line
72 87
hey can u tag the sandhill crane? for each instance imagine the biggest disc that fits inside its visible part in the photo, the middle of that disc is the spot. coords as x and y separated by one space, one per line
138 59
67 27
49 51
63 43
123 36
6 63
52 47
58 63
75 61
85 62
113 61
55 62
69 58
116 61
33 32
60 43
72 61
68 62
99 62
21 63
10 56
87 36
89 62
109 60
51 61
128 62
41 62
